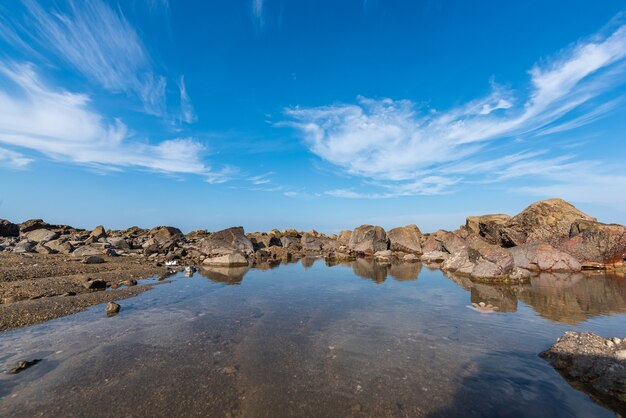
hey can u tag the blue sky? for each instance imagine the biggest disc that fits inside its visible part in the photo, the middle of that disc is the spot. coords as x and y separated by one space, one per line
309 114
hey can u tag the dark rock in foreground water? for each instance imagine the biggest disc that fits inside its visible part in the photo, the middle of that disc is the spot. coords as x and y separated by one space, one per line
597 363
23 365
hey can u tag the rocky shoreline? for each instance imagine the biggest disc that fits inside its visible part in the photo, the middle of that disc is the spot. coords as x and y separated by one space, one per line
48 271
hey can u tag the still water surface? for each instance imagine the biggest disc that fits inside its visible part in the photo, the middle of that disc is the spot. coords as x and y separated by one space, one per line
306 339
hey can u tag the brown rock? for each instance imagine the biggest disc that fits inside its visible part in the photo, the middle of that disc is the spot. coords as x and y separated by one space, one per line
546 221
368 239
487 226
596 242
406 239
226 241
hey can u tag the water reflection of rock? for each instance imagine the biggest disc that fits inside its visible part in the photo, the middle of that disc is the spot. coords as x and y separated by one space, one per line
576 297
566 298
228 275
500 295
370 269
405 271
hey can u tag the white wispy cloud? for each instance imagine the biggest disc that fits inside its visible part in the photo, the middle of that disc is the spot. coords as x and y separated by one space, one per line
97 41
13 159
61 125
187 112
411 150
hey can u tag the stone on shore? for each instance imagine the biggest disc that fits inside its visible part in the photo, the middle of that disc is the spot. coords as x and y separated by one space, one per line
86 251
487 226
41 235
112 308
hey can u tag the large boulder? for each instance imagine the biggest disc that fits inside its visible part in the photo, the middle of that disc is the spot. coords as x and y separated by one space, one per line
597 363
164 234
228 260
8 229
487 226
546 221
543 257
41 235
595 242
368 239
406 239
225 242
24 246
315 242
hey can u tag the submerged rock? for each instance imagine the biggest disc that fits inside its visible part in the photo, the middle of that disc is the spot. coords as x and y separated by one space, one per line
23 365
598 363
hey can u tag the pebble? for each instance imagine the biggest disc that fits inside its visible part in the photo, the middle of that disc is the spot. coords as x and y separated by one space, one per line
23 365
112 308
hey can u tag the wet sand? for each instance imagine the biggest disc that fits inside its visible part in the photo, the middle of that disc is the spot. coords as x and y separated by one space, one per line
35 288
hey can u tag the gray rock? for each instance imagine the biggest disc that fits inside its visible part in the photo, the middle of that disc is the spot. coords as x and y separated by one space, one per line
86 250
93 259
598 363
228 260
41 235
24 246
60 245
119 243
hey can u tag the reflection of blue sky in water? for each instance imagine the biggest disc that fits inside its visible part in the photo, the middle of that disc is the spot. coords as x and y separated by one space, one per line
299 336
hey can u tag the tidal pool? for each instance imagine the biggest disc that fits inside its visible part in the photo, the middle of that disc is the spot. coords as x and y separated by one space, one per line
308 339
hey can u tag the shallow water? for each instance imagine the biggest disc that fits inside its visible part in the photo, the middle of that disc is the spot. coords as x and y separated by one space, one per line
306 339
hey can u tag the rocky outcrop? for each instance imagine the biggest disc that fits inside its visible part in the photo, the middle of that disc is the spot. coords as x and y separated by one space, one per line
546 221
595 242
599 364
368 239
226 242
543 257
405 239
